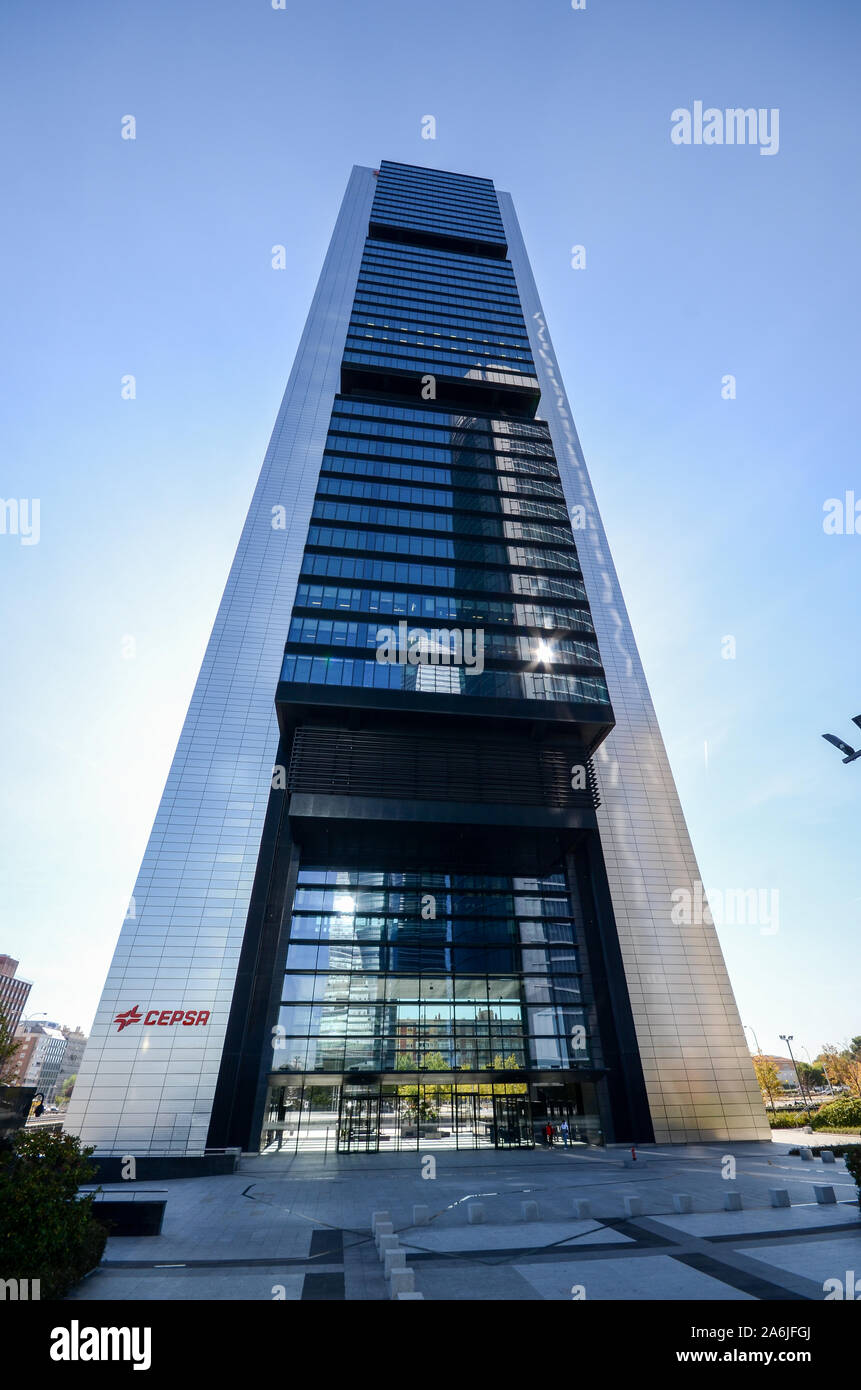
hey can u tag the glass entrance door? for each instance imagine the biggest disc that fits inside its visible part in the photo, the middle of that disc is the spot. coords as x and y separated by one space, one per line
466 1121
359 1121
512 1122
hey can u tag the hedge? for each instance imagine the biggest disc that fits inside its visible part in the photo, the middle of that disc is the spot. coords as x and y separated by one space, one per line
845 1113
852 1156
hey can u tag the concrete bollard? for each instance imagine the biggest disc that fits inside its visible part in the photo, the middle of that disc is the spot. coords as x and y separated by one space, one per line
383 1228
385 1243
681 1202
529 1211
582 1209
779 1196
827 1156
807 1155
403 1281
421 1215
394 1259
824 1195
633 1206
379 1216
475 1213
732 1201
409 1295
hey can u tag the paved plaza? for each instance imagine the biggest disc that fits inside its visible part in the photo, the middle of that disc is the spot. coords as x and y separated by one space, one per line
300 1228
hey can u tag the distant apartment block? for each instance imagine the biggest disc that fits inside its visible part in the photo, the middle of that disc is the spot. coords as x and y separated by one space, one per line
41 1057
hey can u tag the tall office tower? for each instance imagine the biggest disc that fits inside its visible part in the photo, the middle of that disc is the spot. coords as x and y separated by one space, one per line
13 992
416 875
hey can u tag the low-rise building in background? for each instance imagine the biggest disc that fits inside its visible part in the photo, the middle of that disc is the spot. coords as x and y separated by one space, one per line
40 1058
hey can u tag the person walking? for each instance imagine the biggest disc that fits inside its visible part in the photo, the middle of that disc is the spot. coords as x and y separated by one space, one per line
563 1130
548 1133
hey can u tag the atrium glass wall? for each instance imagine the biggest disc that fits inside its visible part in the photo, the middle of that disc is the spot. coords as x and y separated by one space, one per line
423 981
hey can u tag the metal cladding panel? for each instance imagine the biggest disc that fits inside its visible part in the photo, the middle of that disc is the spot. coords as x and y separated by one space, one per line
149 1088
699 1078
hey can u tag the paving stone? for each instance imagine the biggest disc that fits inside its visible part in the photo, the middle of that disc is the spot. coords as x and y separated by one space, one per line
287 1209
402 1281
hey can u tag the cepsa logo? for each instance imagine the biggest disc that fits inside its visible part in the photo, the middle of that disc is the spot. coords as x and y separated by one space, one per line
162 1018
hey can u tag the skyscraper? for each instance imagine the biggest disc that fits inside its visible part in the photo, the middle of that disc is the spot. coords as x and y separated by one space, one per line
14 992
414 873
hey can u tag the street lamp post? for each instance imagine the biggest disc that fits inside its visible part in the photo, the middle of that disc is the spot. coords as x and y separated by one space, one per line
787 1038
755 1039
824 1068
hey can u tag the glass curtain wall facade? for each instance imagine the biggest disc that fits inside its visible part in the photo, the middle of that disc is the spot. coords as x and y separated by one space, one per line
441 693
426 924
489 984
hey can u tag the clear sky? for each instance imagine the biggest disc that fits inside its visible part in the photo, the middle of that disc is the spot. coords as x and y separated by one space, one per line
153 257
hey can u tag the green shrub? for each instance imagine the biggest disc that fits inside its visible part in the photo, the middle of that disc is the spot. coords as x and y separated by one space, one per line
789 1119
46 1231
843 1113
852 1156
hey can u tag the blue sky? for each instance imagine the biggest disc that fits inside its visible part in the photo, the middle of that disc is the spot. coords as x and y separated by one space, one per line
152 257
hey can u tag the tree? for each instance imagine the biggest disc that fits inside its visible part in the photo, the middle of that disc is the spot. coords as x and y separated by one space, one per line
9 1046
769 1082
842 1067
423 1102
508 1088
64 1094
434 1061
811 1075
829 1060
47 1232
